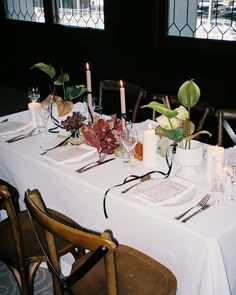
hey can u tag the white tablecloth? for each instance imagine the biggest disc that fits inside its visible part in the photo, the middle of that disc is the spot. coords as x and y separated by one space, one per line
201 252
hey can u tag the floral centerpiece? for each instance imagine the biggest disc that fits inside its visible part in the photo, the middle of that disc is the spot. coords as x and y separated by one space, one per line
101 134
64 103
175 125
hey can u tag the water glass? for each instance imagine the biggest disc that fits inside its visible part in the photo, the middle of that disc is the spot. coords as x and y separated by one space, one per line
231 173
45 114
128 140
218 179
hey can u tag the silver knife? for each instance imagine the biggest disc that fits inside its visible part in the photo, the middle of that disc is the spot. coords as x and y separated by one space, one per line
200 210
95 165
23 136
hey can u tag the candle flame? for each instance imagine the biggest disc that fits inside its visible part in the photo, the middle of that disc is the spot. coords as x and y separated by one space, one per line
121 83
87 66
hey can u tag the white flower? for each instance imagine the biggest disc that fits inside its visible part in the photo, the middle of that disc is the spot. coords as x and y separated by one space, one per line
182 113
168 124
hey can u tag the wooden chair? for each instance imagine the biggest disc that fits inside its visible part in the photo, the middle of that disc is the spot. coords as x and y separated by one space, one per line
14 196
106 268
19 249
225 117
199 113
109 98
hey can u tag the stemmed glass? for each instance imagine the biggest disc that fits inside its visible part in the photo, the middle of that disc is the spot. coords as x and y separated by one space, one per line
231 172
128 139
33 93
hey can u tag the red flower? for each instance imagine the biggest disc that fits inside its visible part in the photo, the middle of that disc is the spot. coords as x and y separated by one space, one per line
103 134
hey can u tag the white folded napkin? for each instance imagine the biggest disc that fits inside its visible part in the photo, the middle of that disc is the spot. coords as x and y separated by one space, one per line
11 127
71 154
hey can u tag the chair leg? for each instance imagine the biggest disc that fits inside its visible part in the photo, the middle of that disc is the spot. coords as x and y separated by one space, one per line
32 272
21 277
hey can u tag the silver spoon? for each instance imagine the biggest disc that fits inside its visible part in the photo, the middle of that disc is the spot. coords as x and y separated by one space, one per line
144 178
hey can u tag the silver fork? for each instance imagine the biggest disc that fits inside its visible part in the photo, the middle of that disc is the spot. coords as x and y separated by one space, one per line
201 203
92 163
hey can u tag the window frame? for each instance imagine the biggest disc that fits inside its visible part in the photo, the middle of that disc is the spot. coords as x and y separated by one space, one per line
49 12
163 40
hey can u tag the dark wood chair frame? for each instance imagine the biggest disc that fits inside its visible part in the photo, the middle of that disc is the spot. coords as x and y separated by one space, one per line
19 248
101 259
130 88
224 117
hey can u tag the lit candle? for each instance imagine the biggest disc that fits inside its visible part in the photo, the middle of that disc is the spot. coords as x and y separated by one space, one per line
212 151
34 108
122 103
149 146
89 88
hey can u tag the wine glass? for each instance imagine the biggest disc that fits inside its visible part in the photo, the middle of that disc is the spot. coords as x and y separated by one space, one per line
128 140
33 93
231 172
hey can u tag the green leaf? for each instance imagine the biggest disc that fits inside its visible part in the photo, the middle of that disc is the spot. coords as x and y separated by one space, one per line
75 91
189 94
48 69
162 109
176 134
61 79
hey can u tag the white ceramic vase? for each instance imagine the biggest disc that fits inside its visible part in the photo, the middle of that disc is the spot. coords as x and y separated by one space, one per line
188 160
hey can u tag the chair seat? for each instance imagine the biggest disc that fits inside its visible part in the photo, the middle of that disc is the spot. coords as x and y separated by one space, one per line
131 265
8 252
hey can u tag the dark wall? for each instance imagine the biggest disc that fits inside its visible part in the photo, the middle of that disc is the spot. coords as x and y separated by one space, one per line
133 48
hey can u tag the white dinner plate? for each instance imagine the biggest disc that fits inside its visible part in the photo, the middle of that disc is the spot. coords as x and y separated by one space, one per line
11 127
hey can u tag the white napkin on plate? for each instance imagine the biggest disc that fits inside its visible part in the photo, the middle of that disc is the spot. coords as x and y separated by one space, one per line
11 127
165 192
71 153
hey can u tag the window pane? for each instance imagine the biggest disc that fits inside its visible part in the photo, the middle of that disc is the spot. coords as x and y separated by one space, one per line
206 19
80 13
25 10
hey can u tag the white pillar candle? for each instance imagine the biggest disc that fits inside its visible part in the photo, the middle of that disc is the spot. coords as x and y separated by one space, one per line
122 103
34 109
212 151
89 88
149 146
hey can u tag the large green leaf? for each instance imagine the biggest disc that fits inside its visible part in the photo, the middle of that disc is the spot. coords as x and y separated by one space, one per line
162 109
48 69
189 94
176 134
61 79
75 91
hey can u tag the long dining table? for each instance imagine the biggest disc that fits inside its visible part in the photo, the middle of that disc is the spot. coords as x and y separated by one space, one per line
201 252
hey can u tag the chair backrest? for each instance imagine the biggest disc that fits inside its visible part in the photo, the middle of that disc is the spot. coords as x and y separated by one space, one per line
99 246
225 117
109 93
14 196
7 204
199 113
